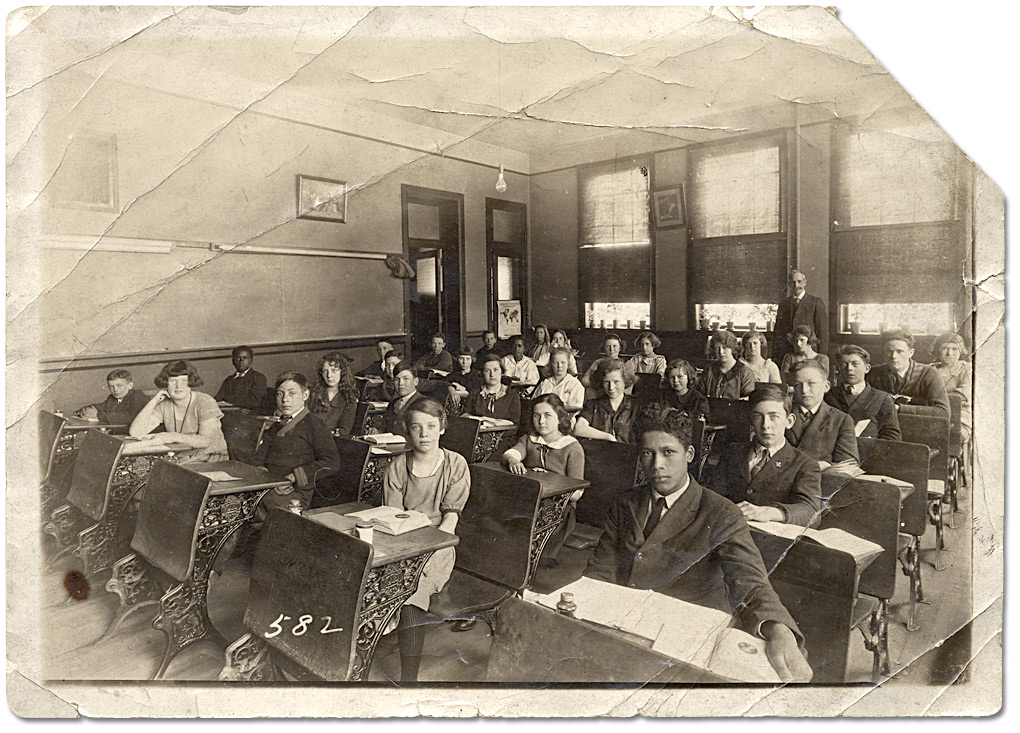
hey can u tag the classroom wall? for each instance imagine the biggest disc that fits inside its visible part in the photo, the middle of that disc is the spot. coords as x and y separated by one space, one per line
812 210
194 177
554 249
670 258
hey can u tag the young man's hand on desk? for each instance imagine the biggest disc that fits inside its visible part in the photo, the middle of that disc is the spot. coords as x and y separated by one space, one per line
784 654
284 490
756 513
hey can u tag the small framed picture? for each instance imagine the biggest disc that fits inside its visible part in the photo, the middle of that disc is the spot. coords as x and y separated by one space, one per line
668 207
321 199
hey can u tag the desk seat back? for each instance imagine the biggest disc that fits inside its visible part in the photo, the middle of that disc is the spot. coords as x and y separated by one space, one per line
50 426
93 473
242 432
646 388
461 436
955 425
345 485
610 468
169 518
360 418
818 586
933 432
869 510
906 462
303 568
734 414
497 525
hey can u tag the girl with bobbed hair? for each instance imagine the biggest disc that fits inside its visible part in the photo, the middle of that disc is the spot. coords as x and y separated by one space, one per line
678 390
803 341
755 349
646 361
948 351
610 416
726 377
188 417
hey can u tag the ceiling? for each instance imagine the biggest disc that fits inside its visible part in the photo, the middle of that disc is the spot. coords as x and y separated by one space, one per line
547 82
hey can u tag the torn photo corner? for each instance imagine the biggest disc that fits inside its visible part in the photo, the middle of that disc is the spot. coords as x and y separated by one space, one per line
728 187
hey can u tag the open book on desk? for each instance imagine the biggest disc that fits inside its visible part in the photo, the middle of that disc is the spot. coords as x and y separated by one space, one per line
834 538
492 422
385 439
696 635
392 520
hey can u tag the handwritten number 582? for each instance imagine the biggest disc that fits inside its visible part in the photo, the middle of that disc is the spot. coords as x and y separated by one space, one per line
301 626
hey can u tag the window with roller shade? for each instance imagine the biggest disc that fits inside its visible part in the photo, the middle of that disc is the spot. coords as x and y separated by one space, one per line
898 246
614 259
738 261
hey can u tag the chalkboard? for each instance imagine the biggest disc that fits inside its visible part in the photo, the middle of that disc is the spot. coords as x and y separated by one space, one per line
234 299
169 516
305 597
93 471
738 272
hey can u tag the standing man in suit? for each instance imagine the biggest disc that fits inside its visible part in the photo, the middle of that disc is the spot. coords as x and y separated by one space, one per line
767 478
854 396
674 537
916 388
800 309
820 430
245 387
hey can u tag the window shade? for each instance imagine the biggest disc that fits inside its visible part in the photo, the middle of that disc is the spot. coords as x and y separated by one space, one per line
735 192
614 204
900 175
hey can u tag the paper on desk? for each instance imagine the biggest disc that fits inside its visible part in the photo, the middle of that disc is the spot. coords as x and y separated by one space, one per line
885 479
738 656
220 476
780 529
860 427
385 439
379 405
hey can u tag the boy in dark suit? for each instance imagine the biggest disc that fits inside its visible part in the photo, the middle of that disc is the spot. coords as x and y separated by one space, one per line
916 388
854 396
767 478
676 538
245 387
820 430
800 309
122 404
378 368
298 447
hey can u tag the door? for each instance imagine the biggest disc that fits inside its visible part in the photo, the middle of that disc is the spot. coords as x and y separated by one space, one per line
432 227
506 235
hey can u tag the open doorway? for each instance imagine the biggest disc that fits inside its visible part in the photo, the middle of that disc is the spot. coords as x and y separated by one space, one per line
432 228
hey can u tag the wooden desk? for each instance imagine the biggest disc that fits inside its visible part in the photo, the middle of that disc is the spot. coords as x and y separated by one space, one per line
395 565
818 586
184 519
60 439
242 432
535 644
933 432
369 417
108 471
611 468
379 458
555 491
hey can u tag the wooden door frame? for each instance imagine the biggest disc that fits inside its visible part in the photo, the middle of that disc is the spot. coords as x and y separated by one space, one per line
431 196
492 204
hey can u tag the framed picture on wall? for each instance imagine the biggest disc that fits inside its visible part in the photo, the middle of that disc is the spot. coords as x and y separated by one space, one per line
87 175
668 207
322 199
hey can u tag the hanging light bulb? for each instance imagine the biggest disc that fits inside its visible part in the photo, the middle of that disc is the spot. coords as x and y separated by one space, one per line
501 182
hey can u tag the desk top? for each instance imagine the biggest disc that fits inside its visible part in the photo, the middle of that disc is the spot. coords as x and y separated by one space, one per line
394 449
79 423
250 478
389 548
142 447
553 484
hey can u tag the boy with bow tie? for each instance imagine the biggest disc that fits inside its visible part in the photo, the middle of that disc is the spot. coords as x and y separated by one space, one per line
767 477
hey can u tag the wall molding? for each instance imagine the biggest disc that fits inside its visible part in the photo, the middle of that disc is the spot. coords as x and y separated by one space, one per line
55 365
105 243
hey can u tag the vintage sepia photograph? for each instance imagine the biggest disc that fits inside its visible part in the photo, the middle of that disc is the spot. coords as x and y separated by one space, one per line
497 361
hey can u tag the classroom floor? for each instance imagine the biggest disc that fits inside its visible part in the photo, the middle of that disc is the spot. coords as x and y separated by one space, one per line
71 627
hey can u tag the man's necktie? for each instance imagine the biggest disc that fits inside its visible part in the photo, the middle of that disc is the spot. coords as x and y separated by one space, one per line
284 419
758 460
658 507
